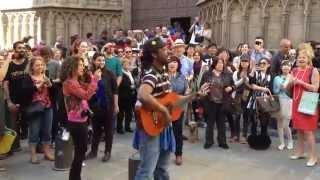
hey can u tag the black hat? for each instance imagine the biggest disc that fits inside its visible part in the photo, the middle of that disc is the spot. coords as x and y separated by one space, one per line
153 45
244 57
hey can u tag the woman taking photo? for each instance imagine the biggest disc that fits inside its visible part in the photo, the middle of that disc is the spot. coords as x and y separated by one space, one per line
103 104
304 78
220 88
285 104
179 85
78 87
260 84
40 122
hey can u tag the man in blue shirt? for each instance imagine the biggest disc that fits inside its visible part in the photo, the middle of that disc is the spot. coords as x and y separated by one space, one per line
259 52
186 63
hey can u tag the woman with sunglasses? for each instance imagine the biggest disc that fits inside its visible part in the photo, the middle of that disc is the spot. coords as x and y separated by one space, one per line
260 84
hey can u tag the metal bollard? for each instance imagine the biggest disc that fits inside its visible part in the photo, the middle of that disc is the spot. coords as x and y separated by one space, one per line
63 154
134 161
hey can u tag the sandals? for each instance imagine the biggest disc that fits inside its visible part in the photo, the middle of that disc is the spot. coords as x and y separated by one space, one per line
34 160
2 169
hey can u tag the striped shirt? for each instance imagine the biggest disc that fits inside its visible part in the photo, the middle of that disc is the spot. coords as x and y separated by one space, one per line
158 80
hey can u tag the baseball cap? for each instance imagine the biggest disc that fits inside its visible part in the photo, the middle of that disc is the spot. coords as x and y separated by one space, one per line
153 45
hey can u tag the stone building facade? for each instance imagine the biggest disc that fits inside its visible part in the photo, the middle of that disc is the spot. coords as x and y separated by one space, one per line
235 21
47 19
150 13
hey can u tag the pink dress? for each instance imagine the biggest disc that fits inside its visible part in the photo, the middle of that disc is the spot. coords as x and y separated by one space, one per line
302 121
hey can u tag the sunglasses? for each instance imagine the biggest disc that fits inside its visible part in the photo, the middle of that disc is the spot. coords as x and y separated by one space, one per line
258 42
128 52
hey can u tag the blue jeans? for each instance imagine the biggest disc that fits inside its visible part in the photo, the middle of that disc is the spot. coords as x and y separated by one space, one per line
154 161
40 126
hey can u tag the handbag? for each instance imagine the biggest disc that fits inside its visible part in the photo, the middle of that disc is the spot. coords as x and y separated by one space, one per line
7 140
308 103
268 103
34 108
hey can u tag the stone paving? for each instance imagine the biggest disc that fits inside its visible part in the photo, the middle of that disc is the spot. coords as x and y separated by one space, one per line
238 163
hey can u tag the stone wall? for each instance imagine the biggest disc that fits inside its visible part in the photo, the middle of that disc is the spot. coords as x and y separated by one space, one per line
235 21
149 13
48 19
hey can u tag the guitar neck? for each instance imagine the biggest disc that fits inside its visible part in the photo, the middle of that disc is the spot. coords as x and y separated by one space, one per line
184 100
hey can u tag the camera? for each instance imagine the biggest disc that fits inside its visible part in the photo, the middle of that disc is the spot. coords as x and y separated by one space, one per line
87 113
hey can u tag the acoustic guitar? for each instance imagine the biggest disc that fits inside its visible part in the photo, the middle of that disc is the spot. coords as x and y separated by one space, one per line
152 121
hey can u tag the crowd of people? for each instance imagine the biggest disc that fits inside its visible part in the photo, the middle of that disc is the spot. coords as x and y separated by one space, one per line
98 82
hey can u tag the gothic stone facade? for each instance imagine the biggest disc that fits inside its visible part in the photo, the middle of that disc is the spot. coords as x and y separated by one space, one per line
150 13
235 21
47 19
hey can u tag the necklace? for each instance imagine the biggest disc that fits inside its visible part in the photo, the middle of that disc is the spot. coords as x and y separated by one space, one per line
295 97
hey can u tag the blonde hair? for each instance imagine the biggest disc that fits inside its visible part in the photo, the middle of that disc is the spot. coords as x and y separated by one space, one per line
33 61
306 49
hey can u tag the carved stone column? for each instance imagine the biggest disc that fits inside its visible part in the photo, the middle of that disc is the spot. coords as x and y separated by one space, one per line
9 30
1 32
38 30
306 23
126 14
50 27
245 25
16 28
31 28
23 27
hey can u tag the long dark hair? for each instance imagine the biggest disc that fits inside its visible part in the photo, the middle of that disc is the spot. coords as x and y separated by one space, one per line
69 66
147 60
241 69
215 62
95 56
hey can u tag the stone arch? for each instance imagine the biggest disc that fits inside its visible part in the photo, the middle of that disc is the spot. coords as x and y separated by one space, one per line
88 25
60 25
101 23
314 21
255 25
235 25
115 22
74 24
296 26
274 28
12 27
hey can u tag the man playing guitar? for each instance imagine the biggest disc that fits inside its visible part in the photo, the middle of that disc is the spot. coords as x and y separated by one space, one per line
155 150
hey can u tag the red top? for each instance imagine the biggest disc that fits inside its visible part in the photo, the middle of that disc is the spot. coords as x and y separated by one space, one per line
41 95
76 96
302 121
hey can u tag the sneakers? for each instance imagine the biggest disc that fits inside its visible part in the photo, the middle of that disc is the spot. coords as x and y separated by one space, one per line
281 147
290 146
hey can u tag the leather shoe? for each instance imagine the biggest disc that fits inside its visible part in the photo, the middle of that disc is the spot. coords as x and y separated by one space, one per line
129 130
178 160
120 131
207 145
224 146
106 157
91 155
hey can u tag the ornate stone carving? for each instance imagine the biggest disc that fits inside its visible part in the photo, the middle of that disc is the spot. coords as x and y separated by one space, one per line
298 20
